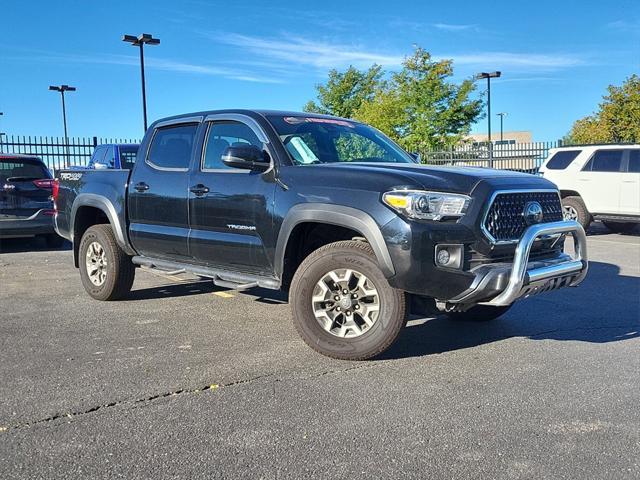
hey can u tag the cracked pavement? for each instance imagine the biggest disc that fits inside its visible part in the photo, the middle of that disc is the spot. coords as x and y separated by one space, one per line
185 380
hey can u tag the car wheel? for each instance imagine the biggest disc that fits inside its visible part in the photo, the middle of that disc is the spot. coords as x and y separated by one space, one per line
479 313
621 227
106 271
343 307
573 208
54 240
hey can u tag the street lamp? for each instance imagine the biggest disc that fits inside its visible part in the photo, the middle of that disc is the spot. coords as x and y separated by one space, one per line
489 76
1 133
62 89
139 41
501 115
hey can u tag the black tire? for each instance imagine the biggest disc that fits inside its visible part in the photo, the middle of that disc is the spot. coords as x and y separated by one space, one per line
119 269
53 240
579 209
379 336
621 227
479 313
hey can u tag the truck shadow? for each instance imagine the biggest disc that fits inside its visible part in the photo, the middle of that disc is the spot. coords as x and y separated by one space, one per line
598 229
584 314
29 244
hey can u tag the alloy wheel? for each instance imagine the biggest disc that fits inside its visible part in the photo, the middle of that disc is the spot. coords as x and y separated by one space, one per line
345 303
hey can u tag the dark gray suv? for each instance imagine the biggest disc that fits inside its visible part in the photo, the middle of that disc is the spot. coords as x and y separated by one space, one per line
26 206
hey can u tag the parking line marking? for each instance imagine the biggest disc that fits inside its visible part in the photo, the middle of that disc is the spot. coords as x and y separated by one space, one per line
614 241
223 294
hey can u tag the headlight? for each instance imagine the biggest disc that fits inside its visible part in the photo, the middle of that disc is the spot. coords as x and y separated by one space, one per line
427 205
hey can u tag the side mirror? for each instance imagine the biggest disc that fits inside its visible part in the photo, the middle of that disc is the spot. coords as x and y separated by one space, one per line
248 158
416 156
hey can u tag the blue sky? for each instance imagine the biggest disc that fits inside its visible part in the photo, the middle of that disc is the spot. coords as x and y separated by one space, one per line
557 57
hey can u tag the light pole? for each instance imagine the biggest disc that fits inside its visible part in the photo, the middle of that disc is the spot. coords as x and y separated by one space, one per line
501 115
139 41
62 89
489 76
1 133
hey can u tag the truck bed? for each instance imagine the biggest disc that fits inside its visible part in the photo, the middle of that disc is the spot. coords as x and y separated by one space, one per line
95 187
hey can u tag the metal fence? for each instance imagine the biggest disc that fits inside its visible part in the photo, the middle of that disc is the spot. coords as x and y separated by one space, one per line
54 151
524 157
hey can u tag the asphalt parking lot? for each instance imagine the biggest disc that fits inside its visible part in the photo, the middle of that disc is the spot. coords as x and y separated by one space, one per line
184 379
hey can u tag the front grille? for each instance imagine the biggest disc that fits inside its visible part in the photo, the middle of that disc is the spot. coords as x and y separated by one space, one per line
505 219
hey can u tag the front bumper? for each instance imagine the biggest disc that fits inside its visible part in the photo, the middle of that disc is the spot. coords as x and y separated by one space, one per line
39 223
503 284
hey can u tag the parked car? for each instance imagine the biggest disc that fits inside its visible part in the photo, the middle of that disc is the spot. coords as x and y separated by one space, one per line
112 155
597 182
329 209
26 207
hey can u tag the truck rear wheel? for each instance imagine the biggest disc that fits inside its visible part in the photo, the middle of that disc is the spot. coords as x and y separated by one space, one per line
105 270
479 313
343 307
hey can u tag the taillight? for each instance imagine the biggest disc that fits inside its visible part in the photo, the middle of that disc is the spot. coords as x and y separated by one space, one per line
55 189
44 183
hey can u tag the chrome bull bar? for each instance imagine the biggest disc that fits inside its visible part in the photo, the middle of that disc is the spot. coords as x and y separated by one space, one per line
523 282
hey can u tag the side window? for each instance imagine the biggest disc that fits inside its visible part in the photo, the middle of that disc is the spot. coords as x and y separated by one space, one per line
98 155
108 158
562 159
634 161
605 161
225 134
171 147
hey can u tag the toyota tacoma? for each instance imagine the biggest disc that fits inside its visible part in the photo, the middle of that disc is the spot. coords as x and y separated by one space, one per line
326 208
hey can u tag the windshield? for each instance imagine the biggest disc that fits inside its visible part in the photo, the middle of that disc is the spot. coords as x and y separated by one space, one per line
313 140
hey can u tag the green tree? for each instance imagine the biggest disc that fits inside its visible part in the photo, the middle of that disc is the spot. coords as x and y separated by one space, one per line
617 120
345 92
418 106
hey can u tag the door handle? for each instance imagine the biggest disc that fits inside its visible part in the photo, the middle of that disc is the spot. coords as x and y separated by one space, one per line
199 189
141 187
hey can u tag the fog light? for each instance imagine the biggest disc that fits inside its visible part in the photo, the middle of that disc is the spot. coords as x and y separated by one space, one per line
443 257
449 256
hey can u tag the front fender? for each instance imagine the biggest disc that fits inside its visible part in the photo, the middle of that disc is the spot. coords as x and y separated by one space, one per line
338 215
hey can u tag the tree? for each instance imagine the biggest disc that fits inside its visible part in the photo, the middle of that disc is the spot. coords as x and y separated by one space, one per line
418 106
345 92
617 120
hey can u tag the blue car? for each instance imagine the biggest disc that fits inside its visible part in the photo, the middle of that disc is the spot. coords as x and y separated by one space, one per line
113 155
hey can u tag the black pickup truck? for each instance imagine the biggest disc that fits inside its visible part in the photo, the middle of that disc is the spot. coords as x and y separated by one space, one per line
327 208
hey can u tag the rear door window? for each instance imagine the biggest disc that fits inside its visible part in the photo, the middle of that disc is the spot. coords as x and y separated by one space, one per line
634 161
171 147
562 159
605 161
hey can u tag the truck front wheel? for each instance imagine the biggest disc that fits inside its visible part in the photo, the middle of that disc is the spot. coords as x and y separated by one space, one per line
105 270
343 307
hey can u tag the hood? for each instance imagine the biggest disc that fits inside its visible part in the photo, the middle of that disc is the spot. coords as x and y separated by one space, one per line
446 179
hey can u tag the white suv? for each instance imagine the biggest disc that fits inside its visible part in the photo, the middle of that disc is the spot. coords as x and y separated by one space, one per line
597 182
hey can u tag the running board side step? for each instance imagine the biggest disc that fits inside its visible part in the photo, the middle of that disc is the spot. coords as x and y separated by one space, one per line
222 278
